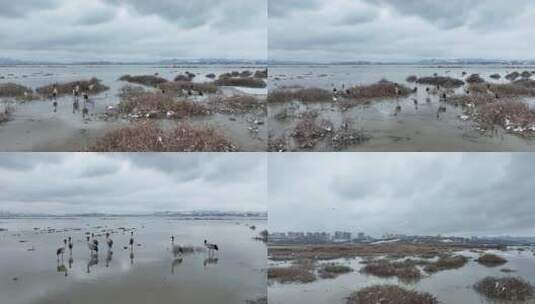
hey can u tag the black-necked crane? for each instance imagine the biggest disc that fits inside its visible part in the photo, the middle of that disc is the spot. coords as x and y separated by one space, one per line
92 246
109 241
175 249
131 239
61 250
210 247
70 245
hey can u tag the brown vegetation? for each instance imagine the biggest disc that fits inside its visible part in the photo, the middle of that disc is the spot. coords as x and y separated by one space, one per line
510 289
297 273
390 294
248 82
235 104
412 78
475 78
158 105
14 90
182 87
347 136
308 132
92 86
404 270
330 252
446 82
381 89
331 271
261 74
491 260
147 137
303 95
148 80
446 263
514 116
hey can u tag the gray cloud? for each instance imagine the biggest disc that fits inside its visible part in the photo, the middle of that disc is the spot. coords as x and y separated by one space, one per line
77 30
131 183
391 30
462 194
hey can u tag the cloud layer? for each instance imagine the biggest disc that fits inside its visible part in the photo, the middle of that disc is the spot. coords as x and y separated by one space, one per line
131 183
462 194
392 30
122 30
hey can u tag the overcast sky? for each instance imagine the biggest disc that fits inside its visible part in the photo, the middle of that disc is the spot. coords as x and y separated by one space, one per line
419 193
122 30
400 30
132 183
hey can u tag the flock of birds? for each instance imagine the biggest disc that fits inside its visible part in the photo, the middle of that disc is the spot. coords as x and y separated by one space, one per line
93 246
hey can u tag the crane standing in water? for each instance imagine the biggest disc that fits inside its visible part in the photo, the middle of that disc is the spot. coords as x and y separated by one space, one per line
210 247
92 246
61 250
109 241
176 249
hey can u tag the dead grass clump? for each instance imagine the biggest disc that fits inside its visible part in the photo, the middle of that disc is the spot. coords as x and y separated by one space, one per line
347 136
14 90
471 101
235 104
512 76
491 260
185 77
278 144
158 105
526 74
261 74
390 294
446 263
516 89
147 137
412 78
510 289
514 116
292 274
331 271
496 76
303 95
182 87
526 83
308 132
92 86
382 89
475 78
148 80
405 270
446 82
248 82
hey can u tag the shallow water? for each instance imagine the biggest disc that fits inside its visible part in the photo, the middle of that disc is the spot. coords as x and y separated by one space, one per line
151 275
415 128
449 286
36 127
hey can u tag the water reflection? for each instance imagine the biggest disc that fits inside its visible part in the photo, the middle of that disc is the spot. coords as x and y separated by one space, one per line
210 261
62 268
93 260
175 263
109 257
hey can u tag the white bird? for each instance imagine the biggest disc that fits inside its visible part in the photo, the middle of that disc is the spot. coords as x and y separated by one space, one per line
61 250
210 247
176 249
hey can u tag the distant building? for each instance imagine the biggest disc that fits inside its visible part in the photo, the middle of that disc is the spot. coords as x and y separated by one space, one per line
341 235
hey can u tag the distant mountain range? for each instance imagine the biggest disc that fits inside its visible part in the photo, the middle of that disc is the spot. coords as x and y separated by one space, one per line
416 62
208 61
184 214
